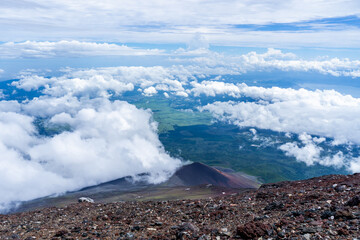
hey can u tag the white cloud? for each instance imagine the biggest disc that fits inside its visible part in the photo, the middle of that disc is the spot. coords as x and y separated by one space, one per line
108 140
32 49
253 131
261 141
92 85
176 77
182 94
310 153
177 13
173 21
150 91
99 141
355 165
197 61
345 37
212 88
198 42
112 80
273 59
322 113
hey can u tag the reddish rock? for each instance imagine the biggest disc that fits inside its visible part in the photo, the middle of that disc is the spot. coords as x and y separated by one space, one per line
312 209
61 233
253 230
343 231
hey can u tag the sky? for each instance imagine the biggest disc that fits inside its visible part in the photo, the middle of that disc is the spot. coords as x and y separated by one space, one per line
298 62
144 33
311 23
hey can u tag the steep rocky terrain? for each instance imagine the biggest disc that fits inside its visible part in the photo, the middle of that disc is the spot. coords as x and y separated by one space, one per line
320 208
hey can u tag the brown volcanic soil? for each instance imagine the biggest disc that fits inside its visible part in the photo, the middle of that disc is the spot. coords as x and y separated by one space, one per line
319 208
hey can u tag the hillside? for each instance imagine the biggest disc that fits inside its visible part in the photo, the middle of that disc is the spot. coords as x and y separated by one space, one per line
319 208
192 181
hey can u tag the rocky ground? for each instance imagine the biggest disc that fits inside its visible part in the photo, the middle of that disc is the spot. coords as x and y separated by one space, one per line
319 208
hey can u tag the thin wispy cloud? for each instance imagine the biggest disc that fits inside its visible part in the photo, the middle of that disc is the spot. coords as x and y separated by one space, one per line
32 49
173 21
336 23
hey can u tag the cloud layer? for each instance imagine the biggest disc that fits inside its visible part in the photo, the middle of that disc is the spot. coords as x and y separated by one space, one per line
33 49
88 140
91 139
273 59
325 113
171 21
114 80
321 113
197 59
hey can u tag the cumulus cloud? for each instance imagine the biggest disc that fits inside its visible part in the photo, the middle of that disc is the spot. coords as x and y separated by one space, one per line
150 91
180 80
213 88
32 49
102 81
310 153
355 165
273 59
197 60
322 113
91 139
101 141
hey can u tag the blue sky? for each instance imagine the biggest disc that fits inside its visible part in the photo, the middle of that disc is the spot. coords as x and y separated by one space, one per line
336 23
93 33
175 22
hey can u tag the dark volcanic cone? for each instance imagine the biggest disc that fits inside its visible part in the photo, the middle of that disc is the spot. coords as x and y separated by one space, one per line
197 173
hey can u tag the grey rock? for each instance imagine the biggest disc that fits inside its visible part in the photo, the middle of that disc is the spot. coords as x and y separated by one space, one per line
85 199
307 236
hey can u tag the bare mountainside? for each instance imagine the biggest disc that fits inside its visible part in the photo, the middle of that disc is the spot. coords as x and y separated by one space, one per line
192 181
319 208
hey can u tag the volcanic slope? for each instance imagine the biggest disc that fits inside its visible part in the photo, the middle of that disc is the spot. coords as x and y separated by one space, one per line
326 207
192 181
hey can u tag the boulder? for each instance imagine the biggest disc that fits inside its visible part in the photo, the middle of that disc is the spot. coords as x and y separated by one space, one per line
85 199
